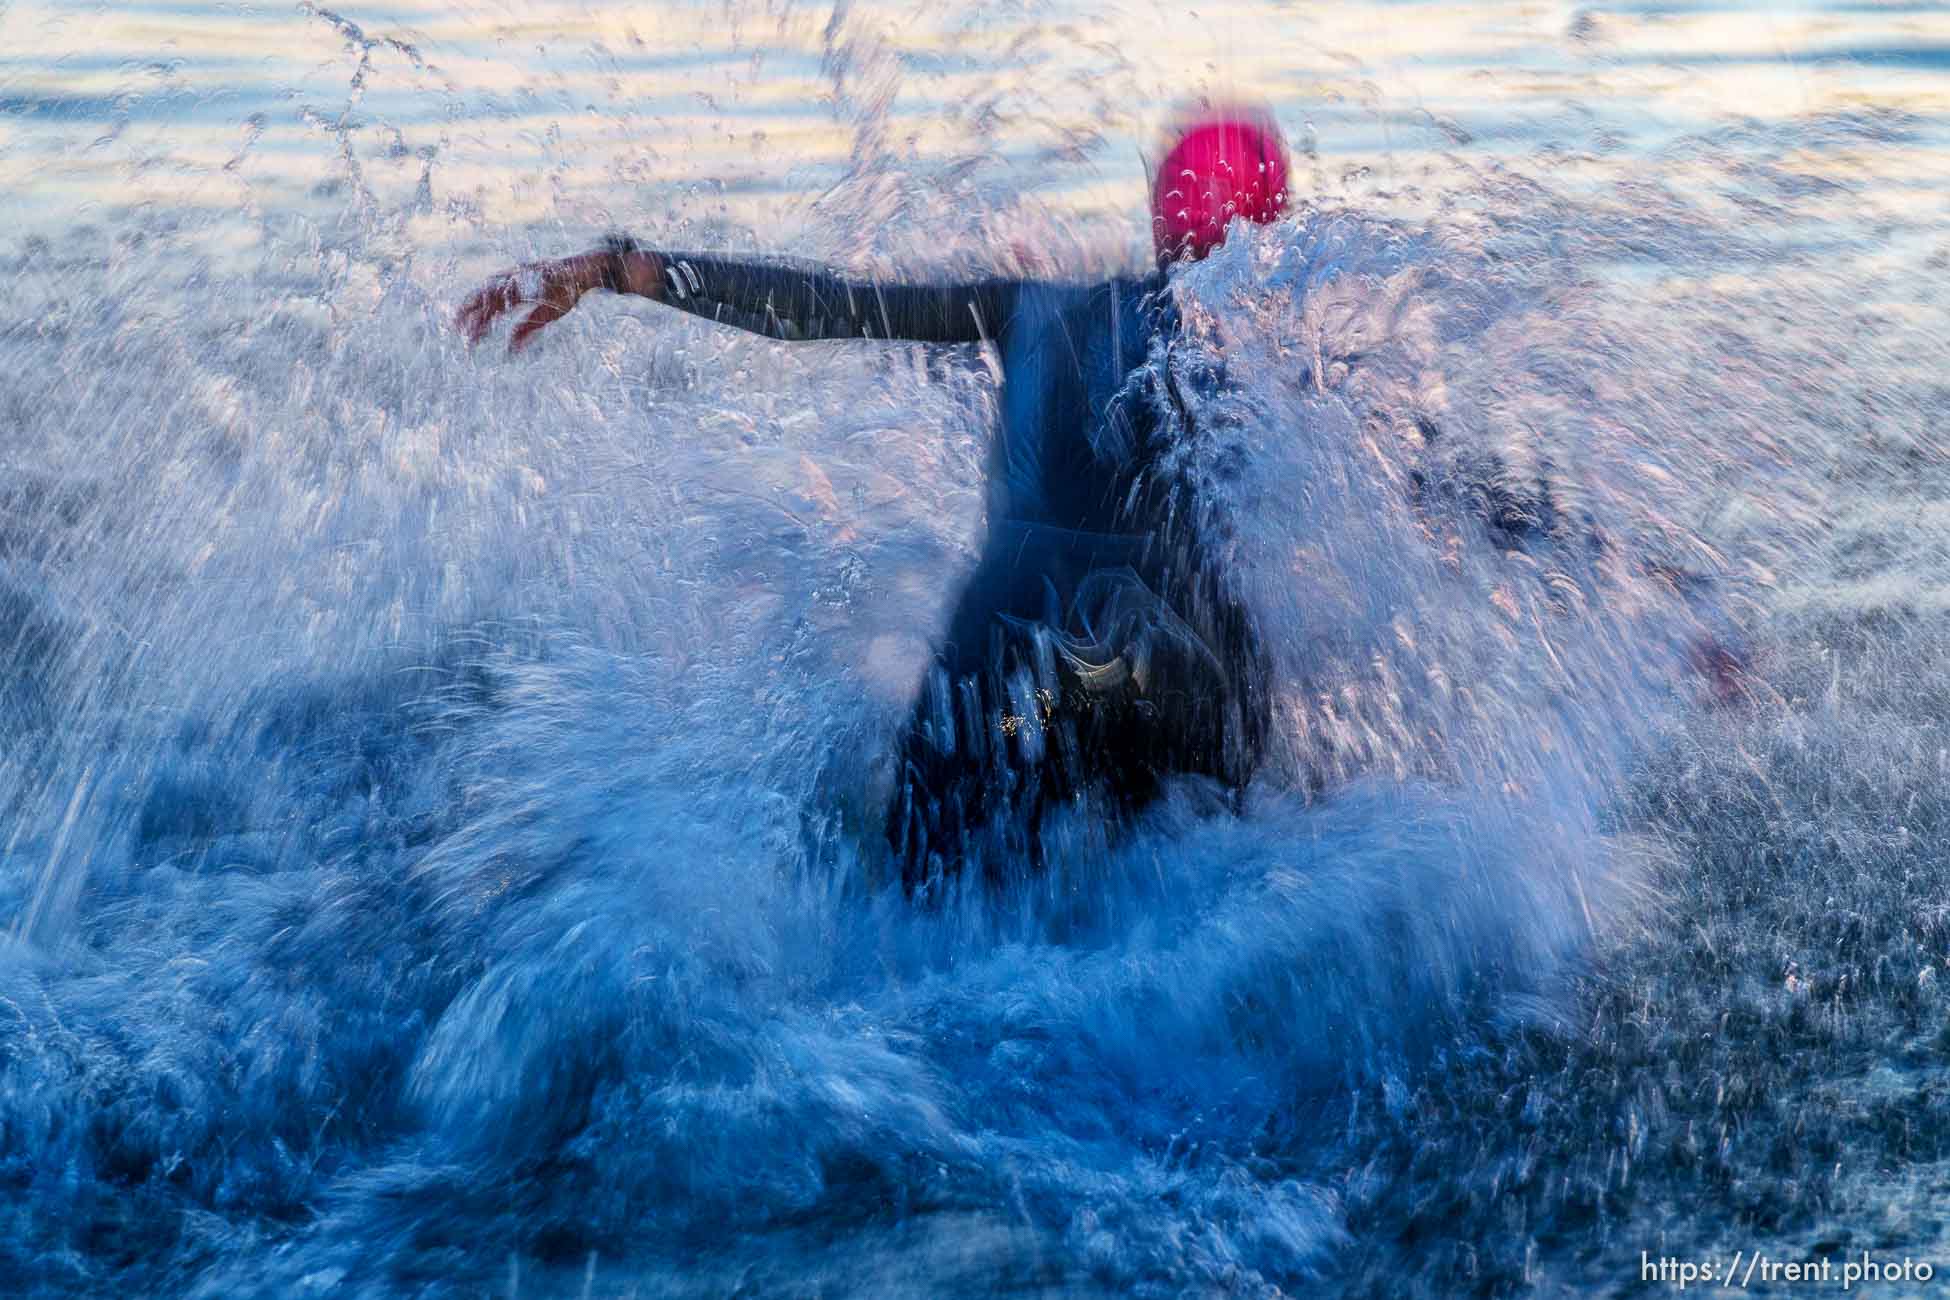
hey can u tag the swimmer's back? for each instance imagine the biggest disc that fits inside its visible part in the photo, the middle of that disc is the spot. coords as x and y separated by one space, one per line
1072 421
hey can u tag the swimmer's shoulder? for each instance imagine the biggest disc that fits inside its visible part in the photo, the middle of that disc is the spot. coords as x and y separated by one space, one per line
1132 298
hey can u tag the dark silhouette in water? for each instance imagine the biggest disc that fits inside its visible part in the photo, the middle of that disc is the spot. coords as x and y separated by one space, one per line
1099 646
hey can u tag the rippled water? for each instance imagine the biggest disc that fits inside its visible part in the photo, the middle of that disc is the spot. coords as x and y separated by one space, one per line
438 792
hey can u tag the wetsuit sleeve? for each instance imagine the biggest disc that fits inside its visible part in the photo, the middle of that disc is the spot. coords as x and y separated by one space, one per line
797 301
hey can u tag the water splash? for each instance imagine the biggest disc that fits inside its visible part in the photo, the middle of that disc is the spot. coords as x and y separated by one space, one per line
440 792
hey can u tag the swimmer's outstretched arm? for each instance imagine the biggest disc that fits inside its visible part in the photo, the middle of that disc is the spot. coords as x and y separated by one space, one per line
777 298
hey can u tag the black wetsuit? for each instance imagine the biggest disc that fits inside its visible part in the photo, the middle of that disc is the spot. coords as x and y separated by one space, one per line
1098 647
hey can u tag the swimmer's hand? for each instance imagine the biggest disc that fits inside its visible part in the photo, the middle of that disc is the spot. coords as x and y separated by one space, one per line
1726 670
554 288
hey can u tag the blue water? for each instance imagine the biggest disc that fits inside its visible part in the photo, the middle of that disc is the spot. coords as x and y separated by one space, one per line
438 805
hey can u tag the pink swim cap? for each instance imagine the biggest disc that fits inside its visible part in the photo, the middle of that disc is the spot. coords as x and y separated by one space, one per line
1222 167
